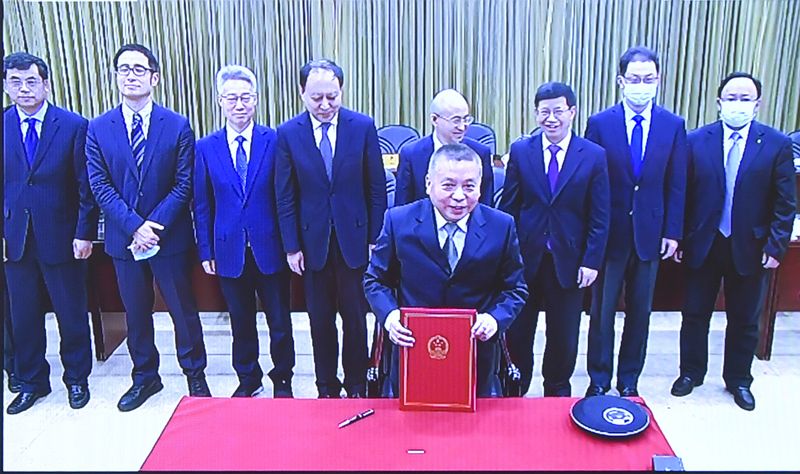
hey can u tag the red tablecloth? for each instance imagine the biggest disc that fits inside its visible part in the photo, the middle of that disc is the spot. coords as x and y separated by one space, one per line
302 434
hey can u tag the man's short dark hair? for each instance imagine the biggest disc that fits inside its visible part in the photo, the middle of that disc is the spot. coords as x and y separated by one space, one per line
554 90
454 152
326 64
637 53
139 48
23 61
734 75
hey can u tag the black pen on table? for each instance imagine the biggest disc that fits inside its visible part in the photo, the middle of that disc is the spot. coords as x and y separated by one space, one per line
357 417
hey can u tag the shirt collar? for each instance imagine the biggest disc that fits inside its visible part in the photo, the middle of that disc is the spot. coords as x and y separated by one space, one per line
247 133
39 115
646 113
436 142
315 124
128 112
563 144
744 131
441 221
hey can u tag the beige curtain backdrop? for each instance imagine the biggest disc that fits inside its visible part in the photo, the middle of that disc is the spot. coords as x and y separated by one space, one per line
397 53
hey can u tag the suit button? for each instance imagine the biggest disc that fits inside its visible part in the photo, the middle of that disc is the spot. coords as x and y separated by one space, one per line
27 211
630 213
141 194
636 188
30 182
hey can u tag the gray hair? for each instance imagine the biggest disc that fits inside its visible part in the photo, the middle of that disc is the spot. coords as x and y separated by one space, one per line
454 152
235 72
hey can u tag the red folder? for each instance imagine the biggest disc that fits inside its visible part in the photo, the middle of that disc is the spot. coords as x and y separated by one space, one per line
439 372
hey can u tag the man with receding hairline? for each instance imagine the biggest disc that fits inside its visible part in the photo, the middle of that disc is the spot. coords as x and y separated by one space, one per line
331 196
450 119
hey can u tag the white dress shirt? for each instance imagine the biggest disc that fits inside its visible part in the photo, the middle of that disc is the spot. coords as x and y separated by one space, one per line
563 145
459 237
233 145
646 114
127 114
39 116
317 126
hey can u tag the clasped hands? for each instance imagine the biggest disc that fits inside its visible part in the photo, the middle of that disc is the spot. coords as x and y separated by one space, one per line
145 236
484 328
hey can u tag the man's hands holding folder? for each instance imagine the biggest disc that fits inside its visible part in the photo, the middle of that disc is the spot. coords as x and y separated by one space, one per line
484 328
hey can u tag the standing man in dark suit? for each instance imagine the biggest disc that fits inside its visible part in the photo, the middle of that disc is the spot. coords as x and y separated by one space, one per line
331 192
50 222
646 150
236 223
450 118
557 190
739 214
140 169
449 251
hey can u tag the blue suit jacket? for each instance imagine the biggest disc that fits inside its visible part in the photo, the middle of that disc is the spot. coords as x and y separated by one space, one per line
161 193
413 166
575 218
226 217
488 277
353 201
53 195
647 209
763 198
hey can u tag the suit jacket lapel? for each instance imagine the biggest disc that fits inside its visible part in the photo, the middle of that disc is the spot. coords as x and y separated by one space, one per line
476 235
49 130
257 157
717 156
571 161
222 153
752 148
620 131
306 136
123 143
425 229
153 134
343 131
13 138
536 156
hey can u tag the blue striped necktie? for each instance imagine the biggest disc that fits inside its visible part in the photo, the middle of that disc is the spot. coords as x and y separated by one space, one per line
31 139
326 150
241 162
637 145
137 140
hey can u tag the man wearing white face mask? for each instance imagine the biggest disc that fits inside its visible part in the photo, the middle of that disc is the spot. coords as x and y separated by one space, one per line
739 211
646 151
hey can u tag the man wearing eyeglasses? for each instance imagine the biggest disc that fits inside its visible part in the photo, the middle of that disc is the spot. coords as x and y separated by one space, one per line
739 213
646 149
450 118
50 222
331 193
236 224
557 190
140 158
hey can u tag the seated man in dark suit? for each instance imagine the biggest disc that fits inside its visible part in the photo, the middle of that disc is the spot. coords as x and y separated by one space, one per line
449 251
450 118
739 211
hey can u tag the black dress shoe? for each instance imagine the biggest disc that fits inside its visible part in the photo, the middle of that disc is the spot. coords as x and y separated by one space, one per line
25 400
595 390
14 385
628 392
282 389
78 396
138 394
684 386
198 386
744 398
247 390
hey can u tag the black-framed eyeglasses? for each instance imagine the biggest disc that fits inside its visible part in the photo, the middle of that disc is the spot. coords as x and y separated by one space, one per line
232 99
137 69
639 79
458 120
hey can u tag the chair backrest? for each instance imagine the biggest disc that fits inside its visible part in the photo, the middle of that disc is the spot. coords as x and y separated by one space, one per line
795 136
499 175
392 137
484 134
391 186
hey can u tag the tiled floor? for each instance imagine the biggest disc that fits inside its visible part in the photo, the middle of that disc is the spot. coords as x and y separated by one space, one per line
706 429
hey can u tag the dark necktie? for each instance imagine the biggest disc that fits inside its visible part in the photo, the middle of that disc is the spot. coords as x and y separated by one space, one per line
636 145
552 167
241 162
731 170
326 150
31 139
450 246
137 140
